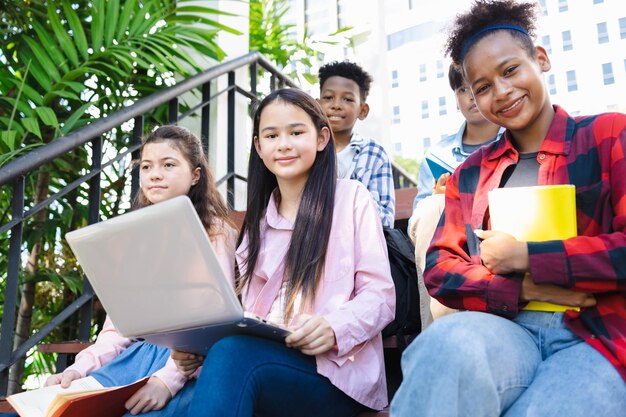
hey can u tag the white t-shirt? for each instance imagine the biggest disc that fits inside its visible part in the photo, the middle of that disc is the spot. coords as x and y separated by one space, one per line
277 311
344 160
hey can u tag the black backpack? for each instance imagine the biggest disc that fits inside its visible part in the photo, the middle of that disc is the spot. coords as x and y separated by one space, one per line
408 322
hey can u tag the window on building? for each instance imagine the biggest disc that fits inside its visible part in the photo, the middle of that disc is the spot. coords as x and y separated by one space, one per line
440 72
568 45
603 33
396 115
545 41
424 109
572 85
551 84
422 72
607 73
563 6
622 28
426 143
397 148
544 7
598 1
394 79
442 106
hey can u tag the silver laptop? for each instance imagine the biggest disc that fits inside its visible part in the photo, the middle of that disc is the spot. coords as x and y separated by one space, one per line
159 279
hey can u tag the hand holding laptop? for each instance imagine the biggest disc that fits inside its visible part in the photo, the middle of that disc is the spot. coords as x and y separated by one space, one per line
187 362
313 335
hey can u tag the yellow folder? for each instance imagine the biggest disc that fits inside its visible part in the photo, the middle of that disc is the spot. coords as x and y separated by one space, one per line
535 214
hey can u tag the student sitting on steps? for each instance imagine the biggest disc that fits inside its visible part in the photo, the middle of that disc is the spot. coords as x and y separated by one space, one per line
498 359
475 131
171 163
311 256
344 87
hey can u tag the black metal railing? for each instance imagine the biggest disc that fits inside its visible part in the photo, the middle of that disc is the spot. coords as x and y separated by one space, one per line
401 178
14 174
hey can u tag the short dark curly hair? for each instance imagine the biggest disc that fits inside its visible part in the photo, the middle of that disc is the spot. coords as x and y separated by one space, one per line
486 13
349 70
455 78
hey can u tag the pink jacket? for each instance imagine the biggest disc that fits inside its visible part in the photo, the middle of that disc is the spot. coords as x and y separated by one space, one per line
110 343
356 294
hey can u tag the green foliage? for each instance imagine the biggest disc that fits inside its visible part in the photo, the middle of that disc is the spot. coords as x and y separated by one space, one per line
276 40
64 64
410 166
106 53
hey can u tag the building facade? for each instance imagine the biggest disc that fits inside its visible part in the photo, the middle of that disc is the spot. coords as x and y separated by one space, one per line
401 42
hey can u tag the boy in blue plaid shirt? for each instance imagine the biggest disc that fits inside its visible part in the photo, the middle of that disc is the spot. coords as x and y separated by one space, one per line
344 87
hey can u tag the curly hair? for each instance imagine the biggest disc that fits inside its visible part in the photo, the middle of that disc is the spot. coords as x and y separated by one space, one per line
455 78
349 70
467 27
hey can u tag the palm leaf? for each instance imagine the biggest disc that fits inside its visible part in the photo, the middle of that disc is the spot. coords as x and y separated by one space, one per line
29 92
77 29
143 20
43 58
113 11
203 10
60 93
18 105
50 46
67 46
77 87
40 75
192 19
97 24
127 11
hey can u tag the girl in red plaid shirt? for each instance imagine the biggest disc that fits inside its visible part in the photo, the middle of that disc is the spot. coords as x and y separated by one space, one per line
496 358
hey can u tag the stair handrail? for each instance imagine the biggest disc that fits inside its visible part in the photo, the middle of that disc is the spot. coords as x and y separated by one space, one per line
64 144
14 173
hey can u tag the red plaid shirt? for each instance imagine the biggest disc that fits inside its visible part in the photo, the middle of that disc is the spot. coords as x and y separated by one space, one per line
586 151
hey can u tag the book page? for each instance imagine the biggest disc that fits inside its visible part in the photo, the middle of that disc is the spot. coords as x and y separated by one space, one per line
34 403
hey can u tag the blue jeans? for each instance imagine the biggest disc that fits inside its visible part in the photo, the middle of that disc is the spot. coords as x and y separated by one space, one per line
138 361
478 364
244 376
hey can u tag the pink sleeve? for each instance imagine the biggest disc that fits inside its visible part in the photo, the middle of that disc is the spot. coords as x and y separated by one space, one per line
170 376
224 245
107 347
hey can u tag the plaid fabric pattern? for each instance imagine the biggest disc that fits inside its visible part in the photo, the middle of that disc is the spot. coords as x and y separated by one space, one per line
587 151
371 167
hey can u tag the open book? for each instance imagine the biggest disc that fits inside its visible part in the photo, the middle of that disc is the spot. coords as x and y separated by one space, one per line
535 214
85 397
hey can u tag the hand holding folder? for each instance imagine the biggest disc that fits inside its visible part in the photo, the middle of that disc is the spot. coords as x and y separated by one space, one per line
535 214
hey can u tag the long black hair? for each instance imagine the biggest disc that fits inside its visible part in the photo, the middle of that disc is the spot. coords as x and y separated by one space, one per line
306 255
